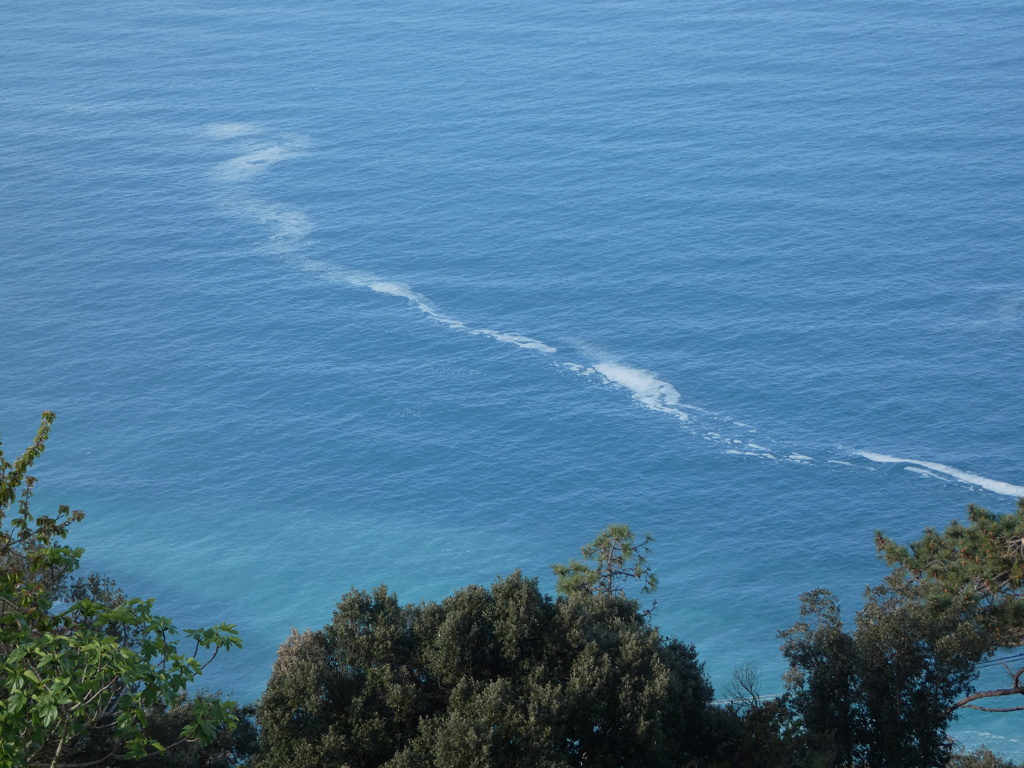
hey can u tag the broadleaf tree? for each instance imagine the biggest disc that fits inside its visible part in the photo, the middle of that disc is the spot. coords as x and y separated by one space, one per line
88 670
498 675
882 693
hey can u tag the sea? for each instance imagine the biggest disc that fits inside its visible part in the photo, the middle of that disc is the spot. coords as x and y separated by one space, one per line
333 294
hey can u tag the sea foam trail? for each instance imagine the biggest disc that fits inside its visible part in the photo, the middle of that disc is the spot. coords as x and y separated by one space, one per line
229 130
424 305
996 486
290 229
655 394
248 165
649 391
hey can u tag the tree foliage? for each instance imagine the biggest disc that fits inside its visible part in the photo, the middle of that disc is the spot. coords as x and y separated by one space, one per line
491 676
883 693
766 734
978 567
90 669
610 562
980 758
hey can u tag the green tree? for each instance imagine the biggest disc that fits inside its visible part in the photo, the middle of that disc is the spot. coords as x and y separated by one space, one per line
978 567
767 735
882 695
491 676
822 676
94 668
981 758
610 562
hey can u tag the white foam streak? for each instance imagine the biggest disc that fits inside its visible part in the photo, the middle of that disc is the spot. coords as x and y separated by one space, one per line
647 390
518 339
996 486
248 165
396 289
229 130
403 291
757 454
420 302
327 272
926 473
289 229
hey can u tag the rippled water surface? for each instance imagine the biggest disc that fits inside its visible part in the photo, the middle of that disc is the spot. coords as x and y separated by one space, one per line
334 294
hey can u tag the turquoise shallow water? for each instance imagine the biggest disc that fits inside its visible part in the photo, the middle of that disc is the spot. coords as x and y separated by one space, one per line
328 296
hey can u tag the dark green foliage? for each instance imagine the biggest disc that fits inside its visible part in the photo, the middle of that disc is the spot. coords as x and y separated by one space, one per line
164 724
982 561
229 747
980 758
883 694
822 674
767 735
499 676
977 569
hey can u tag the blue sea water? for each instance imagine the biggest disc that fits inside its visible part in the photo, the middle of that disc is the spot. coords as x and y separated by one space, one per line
333 294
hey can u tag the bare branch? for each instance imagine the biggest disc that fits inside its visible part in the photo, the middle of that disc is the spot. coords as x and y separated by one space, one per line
966 701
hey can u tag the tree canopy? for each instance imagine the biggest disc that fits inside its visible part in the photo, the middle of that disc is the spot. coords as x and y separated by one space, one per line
491 676
978 568
883 693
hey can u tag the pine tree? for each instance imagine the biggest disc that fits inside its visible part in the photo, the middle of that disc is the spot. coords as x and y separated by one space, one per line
616 561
